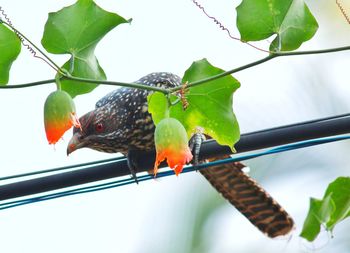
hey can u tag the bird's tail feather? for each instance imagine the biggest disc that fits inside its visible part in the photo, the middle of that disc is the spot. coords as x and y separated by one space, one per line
249 198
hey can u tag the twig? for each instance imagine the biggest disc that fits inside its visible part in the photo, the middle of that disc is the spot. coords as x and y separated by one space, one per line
222 27
130 85
192 84
64 73
67 76
258 62
27 85
23 38
342 10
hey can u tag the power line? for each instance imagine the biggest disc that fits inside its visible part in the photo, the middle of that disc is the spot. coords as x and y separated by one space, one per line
319 134
97 171
64 168
123 182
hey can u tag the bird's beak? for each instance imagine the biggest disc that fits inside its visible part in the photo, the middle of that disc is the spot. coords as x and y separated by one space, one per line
75 143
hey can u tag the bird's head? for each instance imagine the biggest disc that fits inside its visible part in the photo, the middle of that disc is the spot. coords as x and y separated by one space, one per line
99 131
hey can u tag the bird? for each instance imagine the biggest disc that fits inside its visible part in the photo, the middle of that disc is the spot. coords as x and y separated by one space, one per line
121 123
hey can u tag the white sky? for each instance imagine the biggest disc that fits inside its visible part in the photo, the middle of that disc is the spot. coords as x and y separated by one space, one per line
168 36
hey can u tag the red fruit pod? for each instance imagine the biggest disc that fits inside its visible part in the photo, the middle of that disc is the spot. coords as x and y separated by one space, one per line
172 144
59 115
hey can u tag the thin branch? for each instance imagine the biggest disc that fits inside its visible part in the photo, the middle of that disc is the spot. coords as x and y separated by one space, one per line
26 85
258 62
222 27
67 76
310 52
130 85
223 74
63 72
342 10
23 38
166 91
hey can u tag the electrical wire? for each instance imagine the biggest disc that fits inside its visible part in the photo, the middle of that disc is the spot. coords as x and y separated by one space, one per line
64 168
82 165
127 181
249 142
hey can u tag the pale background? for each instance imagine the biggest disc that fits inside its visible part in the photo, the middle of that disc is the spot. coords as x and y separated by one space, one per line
181 214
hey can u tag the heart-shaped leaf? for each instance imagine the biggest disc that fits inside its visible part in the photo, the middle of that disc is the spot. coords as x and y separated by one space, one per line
158 106
76 30
339 190
312 224
333 208
209 105
10 47
290 20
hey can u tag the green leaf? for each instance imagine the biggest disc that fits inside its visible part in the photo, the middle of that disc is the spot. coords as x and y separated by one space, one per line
209 105
10 47
333 208
290 20
312 224
76 30
157 106
339 190
326 209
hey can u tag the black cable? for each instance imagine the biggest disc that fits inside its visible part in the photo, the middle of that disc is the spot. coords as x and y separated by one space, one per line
251 141
122 182
277 136
70 167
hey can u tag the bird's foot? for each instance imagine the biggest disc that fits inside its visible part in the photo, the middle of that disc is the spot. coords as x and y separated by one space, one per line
132 164
195 144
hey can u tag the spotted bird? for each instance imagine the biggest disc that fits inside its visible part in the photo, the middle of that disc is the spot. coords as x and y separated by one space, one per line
121 123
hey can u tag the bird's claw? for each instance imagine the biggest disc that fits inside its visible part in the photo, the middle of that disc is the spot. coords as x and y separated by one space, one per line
132 165
195 144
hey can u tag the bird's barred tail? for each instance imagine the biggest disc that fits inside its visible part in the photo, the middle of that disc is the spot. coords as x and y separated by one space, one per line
249 198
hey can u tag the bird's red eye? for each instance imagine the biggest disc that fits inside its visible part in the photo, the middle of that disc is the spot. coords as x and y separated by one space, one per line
99 127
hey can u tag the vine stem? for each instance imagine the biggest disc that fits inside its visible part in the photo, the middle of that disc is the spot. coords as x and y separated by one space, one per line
67 76
46 57
130 85
258 62
27 85
342 10
224 28
192 84
78 79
